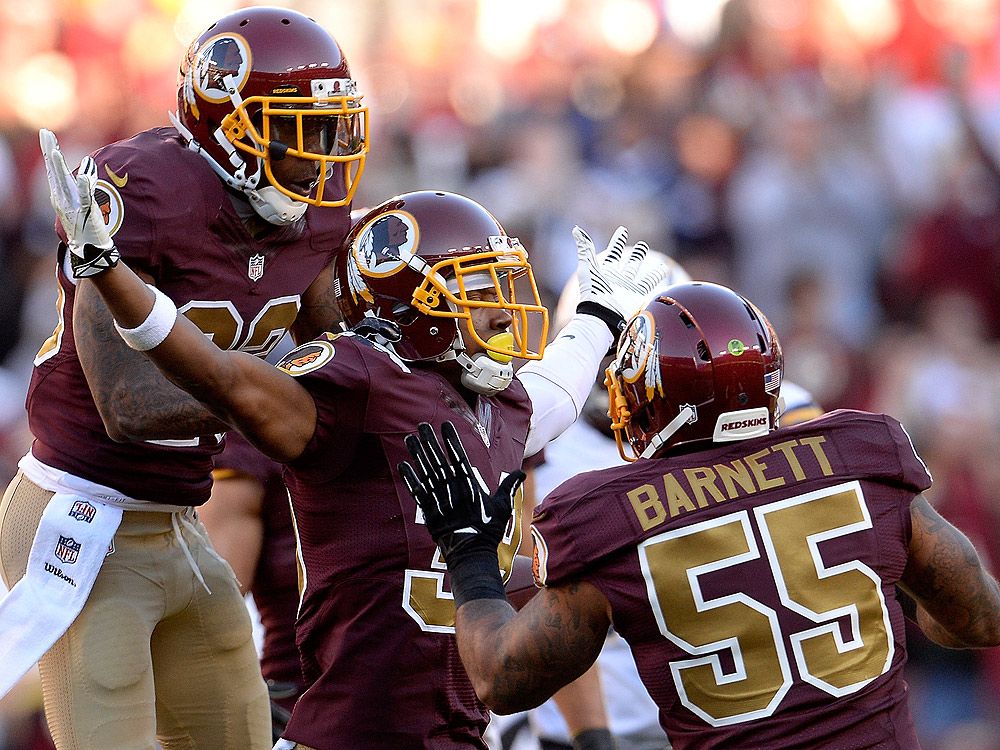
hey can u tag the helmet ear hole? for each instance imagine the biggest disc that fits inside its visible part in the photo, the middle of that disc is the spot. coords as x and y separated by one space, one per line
641 420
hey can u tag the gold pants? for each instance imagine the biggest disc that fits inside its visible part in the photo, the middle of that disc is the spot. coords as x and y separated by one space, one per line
148 622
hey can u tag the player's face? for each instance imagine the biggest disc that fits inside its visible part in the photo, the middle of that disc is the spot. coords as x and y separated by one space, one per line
300 175
487 321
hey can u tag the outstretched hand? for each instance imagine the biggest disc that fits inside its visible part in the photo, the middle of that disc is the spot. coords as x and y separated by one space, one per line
87 236
459 515
614 284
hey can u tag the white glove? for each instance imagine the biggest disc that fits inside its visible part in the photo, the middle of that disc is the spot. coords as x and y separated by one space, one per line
90 245
614 284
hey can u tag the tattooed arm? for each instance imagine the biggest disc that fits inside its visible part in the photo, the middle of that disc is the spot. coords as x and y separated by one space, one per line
320 311
273 410
133 397
958 601
517 660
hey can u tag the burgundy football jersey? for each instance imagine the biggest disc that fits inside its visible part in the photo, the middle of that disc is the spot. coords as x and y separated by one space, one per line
172 218
755 581
275 586
376 624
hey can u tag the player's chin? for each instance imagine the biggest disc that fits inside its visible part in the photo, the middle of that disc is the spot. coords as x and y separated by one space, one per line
521 585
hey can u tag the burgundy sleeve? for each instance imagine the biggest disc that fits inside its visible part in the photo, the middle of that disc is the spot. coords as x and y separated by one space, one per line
239 456
913 471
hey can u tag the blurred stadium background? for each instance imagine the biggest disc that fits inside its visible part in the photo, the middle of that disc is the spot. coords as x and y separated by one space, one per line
835 160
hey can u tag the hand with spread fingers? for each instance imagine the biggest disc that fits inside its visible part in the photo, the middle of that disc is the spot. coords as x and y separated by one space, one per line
614 284
459 515
88 239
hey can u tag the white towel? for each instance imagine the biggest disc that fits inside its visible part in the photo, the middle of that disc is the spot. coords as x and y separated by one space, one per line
70 545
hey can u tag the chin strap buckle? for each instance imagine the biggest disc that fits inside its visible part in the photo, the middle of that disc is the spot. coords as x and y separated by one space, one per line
484 375
377 329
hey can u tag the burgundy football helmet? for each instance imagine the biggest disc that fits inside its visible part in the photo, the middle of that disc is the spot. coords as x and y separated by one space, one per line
261 84
413 262
699 363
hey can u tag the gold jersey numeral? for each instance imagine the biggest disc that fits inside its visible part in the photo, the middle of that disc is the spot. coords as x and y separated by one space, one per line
425 598
741 664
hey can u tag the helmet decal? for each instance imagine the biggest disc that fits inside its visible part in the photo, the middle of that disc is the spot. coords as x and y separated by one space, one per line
386 244
654 375
221 57
356 283
637 344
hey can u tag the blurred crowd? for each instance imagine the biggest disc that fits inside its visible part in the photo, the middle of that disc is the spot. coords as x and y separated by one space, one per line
834 160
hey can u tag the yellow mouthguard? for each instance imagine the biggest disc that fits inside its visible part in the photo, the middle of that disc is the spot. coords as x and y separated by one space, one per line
501 341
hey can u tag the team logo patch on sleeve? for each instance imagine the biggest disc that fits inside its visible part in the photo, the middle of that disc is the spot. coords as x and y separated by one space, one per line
307 358
109 200
540 558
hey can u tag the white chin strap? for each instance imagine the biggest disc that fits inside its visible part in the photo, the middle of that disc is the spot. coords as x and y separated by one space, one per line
275 207
271 204
483 375
658 440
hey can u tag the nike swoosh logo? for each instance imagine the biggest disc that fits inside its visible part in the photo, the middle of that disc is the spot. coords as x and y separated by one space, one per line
567 336
118 181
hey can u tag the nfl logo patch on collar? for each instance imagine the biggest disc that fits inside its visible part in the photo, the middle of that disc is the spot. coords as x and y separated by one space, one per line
256 268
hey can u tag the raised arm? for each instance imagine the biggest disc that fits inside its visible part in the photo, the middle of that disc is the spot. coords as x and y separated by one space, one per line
958 601
517 660
613 285
272 409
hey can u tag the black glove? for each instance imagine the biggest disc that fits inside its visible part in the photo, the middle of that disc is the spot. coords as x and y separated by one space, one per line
465 523
458 514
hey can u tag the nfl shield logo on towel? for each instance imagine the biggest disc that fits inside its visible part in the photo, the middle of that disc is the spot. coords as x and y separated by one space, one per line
82 511
256 268
68 549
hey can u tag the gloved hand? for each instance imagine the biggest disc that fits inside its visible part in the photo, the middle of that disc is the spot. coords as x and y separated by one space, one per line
615 283
461 518
88 239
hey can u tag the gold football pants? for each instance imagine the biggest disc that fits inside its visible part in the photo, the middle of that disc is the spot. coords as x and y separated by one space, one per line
152 654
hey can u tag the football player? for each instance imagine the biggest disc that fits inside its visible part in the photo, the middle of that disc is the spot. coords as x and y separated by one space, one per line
609 703
752 570
249 523
435 318
233 212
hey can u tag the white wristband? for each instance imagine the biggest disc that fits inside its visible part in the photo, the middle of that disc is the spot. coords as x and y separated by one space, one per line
157 325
